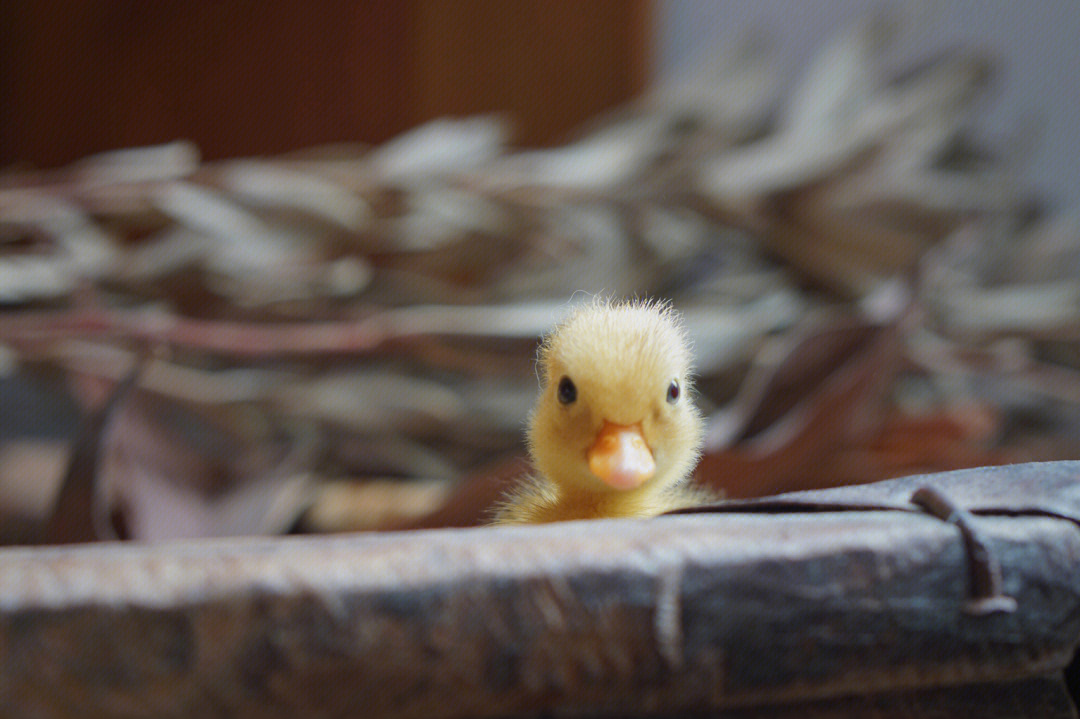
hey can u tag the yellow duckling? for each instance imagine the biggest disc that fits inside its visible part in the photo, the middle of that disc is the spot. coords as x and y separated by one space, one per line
613 433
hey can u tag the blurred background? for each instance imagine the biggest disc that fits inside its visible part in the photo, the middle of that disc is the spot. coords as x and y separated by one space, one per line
269 268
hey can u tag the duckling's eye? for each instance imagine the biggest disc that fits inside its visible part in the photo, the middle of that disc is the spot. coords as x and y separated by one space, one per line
673 392
567 391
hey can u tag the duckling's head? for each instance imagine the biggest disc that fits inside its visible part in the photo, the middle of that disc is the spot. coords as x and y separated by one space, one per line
615 412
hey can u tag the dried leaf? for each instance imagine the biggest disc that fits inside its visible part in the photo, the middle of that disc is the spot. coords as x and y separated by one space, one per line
269 185
438 148
169 471
363 506
603 160
170 161
802 400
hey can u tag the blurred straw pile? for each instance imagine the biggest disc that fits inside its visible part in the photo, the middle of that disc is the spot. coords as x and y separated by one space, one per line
343 338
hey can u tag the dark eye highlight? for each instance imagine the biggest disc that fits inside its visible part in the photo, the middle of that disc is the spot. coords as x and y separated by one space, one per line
567 392
673 392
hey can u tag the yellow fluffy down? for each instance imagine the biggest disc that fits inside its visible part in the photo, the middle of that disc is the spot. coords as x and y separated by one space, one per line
622 358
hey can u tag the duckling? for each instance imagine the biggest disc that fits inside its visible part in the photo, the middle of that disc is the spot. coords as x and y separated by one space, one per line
614 432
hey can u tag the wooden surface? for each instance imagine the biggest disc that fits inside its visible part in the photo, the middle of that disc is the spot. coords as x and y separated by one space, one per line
1042 697
248 78
631 617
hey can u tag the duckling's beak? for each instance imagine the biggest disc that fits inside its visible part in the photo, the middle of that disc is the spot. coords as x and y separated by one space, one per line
620 456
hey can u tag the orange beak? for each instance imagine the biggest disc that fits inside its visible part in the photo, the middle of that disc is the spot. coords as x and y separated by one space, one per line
620 457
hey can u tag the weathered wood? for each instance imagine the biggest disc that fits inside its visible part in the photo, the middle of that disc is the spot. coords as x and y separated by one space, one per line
1037 488
1043 697
647 617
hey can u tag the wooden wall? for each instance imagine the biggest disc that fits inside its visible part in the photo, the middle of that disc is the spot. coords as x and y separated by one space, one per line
241 77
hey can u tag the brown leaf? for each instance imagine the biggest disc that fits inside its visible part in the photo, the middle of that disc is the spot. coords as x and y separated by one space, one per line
170 469
801 401
77 514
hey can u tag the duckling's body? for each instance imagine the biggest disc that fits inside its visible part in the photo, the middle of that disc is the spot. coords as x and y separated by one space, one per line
538 500
613 433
